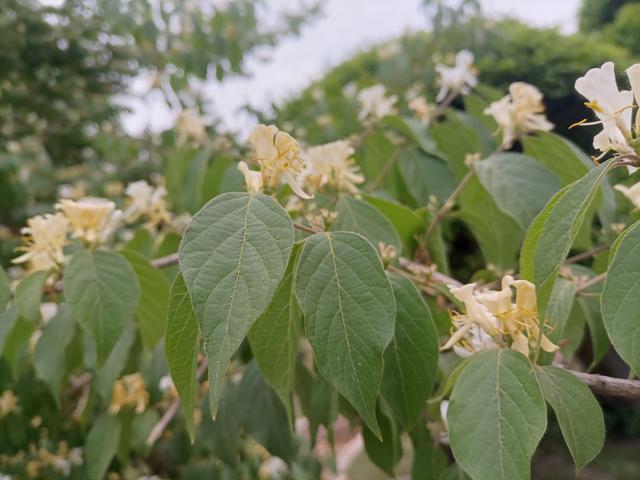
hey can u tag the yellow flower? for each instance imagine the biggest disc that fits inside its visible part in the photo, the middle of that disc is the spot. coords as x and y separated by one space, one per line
89 217
423 110
331 164
519 112
190 125
45 236
129 391
252 178
278 155
493 320
8 403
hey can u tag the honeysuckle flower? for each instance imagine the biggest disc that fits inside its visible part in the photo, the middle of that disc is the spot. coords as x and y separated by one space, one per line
388 253
375 102
8 403
519 112
457 79
252 178
45 237
129 391
88 217
146 201
422 109
350 90
331 165
492 319
632 193
278 155
190 124
611 106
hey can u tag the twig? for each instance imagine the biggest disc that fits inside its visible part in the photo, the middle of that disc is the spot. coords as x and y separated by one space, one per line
609 386
591 282
449 203
588 254
171 412
165 261
304 228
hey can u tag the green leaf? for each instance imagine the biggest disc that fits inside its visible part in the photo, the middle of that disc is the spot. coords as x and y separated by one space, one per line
181 345
577 411
411 359
378 154
621 297
360 217
406 222
592 314
558 311
274 338
263 414
425 175
385 453
115 363
151 310
349 313
102 291
49 356
497 234
429 460
29 294
318 400
553 231
233 257
519 185
574 331
496 416
414 130
102 444
5 289
15 333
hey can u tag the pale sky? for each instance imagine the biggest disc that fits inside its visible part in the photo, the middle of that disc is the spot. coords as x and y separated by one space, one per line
345 27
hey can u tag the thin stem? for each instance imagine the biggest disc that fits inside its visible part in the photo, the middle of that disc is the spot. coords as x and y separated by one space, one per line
305 228
383 172
591 282
449 203
588 254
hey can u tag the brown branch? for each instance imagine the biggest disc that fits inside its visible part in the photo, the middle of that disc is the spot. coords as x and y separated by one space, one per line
591 282
171 412
609 386
588 254
165 261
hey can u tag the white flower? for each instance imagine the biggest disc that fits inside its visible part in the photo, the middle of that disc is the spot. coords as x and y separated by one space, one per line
166 384
519 112
457 79
278 155
632 193
331 164
611 106
375 103
191 125
45 237
88 217
147 201
252 178
423 110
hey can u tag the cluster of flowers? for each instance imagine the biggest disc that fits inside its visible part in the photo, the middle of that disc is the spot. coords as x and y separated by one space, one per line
89 220
493 320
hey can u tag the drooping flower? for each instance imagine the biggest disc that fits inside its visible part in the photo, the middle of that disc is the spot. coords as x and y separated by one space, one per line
375 102
611 106
460 78
252 178
190 124
331 165
519 112
422 109
632 193
45 237
146 201
129 391
278 155
89 217
492 320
